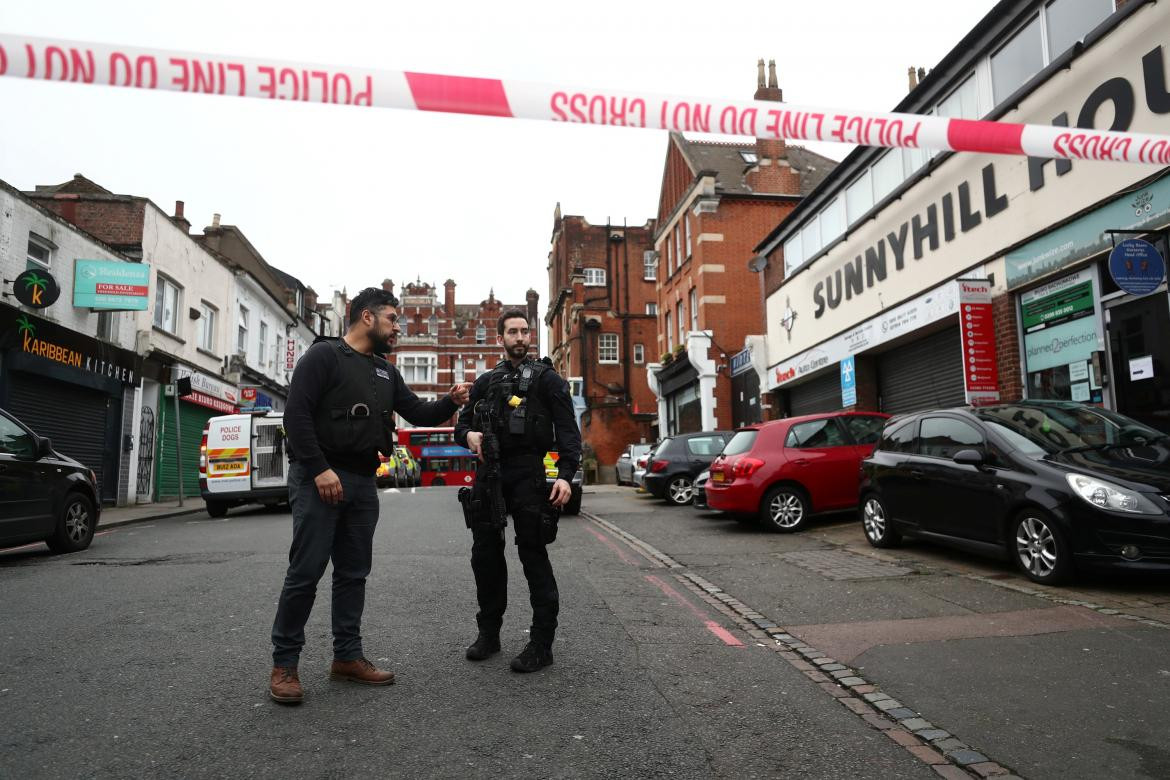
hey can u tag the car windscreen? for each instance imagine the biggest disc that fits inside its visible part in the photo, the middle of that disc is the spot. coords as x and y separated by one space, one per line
741 442
1054 428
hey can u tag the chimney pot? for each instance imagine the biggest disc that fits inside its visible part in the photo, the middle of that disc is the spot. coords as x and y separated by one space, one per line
215 220
179 209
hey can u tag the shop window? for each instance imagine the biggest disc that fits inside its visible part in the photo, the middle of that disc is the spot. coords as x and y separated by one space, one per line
607 348
595 277
1020 59
39 253
1067 21
166 305
945 437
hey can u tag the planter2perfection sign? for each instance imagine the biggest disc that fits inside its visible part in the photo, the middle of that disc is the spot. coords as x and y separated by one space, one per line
111 285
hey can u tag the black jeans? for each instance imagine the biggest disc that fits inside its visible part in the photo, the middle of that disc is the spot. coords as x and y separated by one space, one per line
524 493
343 533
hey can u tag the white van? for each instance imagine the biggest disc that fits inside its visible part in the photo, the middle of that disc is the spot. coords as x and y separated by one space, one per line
242 461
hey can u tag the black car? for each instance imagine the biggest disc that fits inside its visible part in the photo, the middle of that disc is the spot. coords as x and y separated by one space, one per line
44 496
674 464
1051 485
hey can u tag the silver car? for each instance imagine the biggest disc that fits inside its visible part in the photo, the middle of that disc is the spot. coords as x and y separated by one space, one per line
628 462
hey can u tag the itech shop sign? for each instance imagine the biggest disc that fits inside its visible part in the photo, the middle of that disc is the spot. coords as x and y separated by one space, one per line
1136 266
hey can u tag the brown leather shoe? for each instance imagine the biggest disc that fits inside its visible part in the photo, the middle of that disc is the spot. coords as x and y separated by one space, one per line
285 686
360 671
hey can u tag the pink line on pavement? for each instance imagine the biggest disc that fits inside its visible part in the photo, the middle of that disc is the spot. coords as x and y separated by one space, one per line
612 545
724 635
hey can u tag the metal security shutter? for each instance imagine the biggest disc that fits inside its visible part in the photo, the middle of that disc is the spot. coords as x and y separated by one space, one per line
822 394
74 417
924 374
192 421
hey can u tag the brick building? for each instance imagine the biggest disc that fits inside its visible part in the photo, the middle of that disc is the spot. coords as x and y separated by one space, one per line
443 342
716 203
602 329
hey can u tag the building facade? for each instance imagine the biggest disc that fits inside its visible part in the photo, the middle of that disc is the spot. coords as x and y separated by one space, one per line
602 324
443 342
884 270
68 366
716 203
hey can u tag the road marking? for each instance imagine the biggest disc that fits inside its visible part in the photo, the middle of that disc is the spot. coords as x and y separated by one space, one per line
612 546
724 635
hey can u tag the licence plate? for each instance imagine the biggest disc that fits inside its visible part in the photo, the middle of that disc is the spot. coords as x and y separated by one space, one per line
717 476
228 466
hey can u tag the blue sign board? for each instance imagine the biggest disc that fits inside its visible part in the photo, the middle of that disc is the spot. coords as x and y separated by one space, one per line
1136 266
450 451
741 361
111 285
848 382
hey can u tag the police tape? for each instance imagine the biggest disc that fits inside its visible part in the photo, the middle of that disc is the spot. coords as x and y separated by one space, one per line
155 69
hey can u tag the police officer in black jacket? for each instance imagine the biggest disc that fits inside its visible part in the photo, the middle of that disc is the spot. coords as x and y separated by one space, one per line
339 416
531 404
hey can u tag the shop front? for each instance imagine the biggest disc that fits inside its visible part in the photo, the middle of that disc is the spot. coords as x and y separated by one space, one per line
75 389
180 429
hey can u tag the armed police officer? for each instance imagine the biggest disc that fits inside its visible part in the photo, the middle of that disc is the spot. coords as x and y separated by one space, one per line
339 416
517 412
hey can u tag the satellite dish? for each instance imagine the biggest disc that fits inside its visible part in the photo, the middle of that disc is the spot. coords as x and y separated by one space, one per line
757 264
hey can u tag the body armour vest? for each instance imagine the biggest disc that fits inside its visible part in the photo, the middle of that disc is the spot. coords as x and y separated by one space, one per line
524 420
355 415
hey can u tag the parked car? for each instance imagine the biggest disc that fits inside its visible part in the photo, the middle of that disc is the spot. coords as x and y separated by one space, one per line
700 499
678 460
640 468
1050 485
44 496
576 484
627 461
785 471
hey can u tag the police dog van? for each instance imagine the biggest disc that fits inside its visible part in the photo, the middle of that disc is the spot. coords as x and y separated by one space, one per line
242 460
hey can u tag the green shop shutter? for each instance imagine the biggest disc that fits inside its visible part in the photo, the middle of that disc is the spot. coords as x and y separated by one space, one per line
193 419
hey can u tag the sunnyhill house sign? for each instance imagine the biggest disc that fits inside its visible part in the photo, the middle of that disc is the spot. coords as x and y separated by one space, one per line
41 344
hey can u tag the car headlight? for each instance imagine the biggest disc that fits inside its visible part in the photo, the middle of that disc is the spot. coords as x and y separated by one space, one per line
1105 495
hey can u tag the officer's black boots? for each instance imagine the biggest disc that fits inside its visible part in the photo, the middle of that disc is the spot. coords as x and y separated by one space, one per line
483 647
533 657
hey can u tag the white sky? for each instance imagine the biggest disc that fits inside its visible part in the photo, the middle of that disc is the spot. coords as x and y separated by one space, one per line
345 197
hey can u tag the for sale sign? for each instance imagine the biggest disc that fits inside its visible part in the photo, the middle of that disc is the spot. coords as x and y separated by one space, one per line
980 372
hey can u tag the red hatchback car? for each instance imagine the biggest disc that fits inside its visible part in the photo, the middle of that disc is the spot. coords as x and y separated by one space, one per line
786 470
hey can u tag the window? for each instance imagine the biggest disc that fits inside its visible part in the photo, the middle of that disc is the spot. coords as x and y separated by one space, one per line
900 439
864 430
652 308
810 238
705 446
639 354
815 434
833 220
263 343
207 317
678 258
649 266
858 197
166 305
480 367
481 334
887 174
694 309
107 325
242 331
943 437
595 277
433 325
682 323
669 258
963 103
793 256
607 348
15 440
687 223
1067 21
1020 59
669 333
749 157
418 369
741 442
40 253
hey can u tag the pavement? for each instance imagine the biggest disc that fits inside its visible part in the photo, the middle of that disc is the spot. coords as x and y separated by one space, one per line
136 513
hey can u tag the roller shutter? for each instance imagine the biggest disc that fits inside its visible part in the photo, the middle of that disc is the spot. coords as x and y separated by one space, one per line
822 394
74 417
923 374
193 419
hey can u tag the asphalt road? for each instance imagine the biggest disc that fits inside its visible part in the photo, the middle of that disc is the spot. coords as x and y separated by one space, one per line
148 656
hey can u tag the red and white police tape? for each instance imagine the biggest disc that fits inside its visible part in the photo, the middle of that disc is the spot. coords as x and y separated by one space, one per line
124 66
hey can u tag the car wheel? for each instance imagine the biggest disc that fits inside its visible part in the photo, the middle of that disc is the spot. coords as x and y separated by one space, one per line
879 532
680 490
217 508
784 509
1040 549
573 507
75 525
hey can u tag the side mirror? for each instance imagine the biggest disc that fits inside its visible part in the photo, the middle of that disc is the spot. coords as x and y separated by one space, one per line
44 447
969 458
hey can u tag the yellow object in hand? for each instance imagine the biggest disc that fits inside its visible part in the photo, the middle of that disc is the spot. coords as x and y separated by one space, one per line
515 401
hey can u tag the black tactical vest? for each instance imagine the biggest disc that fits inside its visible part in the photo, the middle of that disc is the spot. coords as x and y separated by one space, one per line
355 416
524 419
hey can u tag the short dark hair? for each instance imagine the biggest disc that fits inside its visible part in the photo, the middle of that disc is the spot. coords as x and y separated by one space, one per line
371 299
511 314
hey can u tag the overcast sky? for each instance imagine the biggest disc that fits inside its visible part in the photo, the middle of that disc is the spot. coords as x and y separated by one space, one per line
346 197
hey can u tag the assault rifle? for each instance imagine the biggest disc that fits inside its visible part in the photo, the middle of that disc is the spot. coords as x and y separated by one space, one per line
484 503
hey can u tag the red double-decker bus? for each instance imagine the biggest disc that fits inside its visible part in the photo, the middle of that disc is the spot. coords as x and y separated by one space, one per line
442 462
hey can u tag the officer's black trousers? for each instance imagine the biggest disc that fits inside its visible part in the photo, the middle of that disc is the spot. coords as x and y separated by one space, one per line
525 492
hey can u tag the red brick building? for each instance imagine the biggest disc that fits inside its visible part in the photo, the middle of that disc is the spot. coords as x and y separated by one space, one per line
602 329
717 201
443 342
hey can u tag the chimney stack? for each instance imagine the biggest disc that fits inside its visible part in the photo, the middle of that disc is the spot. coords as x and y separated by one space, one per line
179 220
532 298
772 91
771 172
449 297
215 220
388 285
